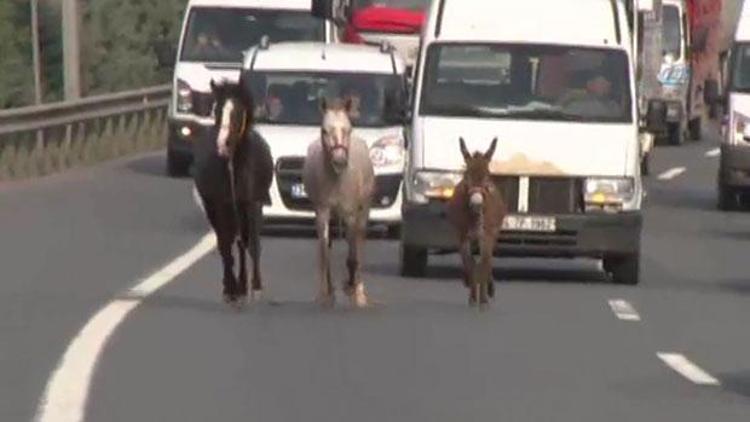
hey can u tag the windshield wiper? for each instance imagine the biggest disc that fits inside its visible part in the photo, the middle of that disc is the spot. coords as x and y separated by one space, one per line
455 110
547 114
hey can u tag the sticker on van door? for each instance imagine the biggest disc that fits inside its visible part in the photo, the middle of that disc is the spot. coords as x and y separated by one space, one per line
677 74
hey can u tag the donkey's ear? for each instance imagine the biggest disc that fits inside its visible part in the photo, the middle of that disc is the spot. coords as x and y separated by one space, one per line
464 151
491 152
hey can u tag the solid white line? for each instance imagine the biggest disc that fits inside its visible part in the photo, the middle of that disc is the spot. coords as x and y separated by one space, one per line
713 153
67 390
197 199
672 173
688 369
624 310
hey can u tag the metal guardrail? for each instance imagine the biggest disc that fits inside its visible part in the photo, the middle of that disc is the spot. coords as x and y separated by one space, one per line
44 139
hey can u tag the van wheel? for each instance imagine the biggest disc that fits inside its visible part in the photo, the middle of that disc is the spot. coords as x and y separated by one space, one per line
413 261
624 269
646 165
695 128
675 135
727 200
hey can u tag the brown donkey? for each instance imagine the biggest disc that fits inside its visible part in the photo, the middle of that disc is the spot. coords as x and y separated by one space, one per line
477 212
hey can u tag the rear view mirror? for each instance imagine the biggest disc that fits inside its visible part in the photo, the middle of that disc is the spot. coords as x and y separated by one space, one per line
165 53
322 9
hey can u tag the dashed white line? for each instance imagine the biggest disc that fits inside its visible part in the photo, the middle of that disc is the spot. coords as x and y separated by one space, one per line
687 369
713 153
67 390
672 173
624 310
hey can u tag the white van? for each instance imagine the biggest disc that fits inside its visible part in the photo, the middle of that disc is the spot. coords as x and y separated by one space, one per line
734 170
554 81
288 80
215 34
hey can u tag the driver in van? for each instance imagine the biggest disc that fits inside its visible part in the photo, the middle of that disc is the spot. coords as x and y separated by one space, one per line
595 100
208 44
273 105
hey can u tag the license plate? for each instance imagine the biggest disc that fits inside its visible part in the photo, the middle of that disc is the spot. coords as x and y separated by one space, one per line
518 223
298 191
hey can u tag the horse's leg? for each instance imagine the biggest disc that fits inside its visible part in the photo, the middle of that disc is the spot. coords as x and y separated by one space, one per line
226 233
356 233
322 225
242 242
256 223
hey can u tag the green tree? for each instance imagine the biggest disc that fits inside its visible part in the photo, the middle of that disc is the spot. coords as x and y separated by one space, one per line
119 42
16 78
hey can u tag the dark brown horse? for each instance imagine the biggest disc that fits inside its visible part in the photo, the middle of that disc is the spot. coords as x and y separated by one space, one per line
477 212
233 173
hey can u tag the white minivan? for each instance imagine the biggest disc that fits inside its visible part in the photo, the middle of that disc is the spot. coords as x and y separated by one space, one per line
215 34
734 170
553 80
287 81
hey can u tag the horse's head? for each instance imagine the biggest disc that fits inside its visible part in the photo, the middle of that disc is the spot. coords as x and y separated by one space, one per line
477 174
336 132
231 113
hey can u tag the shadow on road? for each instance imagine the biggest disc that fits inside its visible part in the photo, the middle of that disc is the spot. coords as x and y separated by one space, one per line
693 199
151 165
737 383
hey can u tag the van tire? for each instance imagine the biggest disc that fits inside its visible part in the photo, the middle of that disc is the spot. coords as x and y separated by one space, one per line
675 135
412 261
695 127
624 269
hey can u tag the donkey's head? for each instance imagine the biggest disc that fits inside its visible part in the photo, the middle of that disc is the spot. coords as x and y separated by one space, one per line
336 132
232 113
477 174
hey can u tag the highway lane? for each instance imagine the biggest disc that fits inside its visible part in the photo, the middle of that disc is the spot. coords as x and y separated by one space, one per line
550 349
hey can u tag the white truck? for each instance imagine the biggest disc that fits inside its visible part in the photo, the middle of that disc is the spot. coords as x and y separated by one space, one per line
554 81
214 36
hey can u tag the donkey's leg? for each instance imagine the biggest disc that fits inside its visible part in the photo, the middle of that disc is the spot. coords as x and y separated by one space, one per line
485 268
356 236
322 224
467 259
256 223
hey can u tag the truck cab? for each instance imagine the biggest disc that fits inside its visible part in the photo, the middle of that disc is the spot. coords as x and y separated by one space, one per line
398 22
215 34
562 103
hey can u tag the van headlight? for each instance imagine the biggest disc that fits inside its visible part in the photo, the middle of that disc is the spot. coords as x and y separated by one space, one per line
426 185
608 192
387 152
184 97
741 128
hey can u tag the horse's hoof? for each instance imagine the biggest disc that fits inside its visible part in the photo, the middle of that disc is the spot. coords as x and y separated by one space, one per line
326 300
359 297
239 303
228 299
256 295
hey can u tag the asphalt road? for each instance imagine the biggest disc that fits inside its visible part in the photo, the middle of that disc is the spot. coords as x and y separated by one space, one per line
550 349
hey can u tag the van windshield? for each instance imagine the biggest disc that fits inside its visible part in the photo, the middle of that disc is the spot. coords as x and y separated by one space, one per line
416 5
741 71
672 32
539 82
222 34
293 98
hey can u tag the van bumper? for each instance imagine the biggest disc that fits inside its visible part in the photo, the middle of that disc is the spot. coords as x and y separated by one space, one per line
579 235
734 169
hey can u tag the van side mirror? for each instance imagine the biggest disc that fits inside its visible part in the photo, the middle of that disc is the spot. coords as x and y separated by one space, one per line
322 9
165 53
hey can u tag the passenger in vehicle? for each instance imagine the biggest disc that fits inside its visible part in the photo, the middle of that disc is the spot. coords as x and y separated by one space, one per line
273 107
595 101
208 44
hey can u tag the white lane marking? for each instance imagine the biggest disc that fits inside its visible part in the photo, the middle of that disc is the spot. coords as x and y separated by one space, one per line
624 310
197 199
672 173
713 153
687 369
67 390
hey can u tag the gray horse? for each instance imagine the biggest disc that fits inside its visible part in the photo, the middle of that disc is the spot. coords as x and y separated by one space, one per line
340 181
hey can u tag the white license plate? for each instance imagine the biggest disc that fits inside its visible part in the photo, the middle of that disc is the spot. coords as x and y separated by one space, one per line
519 223
298 191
